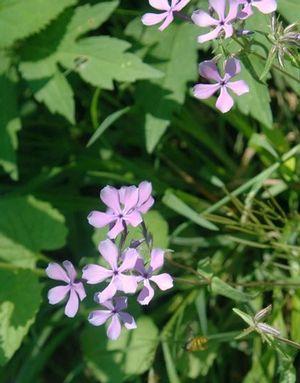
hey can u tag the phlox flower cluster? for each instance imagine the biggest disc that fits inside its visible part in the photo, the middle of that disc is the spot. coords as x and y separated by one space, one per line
121 269
221 18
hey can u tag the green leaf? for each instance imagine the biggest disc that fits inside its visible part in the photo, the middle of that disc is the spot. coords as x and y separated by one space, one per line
10 124
176 57
247 318
220 287
176 204
57 95
20 297
290 9
132 354
28 226
20 19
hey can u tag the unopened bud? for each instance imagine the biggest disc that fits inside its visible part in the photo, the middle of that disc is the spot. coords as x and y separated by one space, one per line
265 328
263 313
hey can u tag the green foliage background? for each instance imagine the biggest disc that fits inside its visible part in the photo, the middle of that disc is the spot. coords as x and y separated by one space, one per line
90 97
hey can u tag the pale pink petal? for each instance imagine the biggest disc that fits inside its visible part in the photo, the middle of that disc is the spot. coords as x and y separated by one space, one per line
204 91
72 305
157 259
239 87
167 22
161 5
219 6
139 266
153 18
116 229
114 329
208 69
180 5
57 294
130 257
79 288
146 206
56 272
146 295
109 252
110 196
164 281
133 218
245 12
94 274
224 102
98 317
108 293
203 19
210 36
232 67
228 29
145 190
99 219
131 197
265 6
70 270
127 283
121 303
128 320
233 10
108 304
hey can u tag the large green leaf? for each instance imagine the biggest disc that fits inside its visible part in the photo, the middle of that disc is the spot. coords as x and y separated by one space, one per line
114 361
290 9
10 124
28 226
20 296
22 18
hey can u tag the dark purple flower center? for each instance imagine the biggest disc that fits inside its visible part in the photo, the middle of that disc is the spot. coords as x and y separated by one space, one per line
222 23
222 83
116 272
146 275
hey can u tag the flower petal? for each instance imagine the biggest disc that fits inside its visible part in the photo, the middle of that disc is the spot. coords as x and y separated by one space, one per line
204 91
130 257
108 293
56 272
108 304
139 266
153 18
79 288
110 196
161 5
266 6
164 281
127 283
181 4
167 22
219 6
233 11
157 259
130 198
99 219
146 206
209 36
57 294
228 29
120 303
98 317
232 67
203 19
146 295
208 69
94 274
238 87
109 252
245 12
116 229
145 190
128 320
114 329
133 218
72 305
72 274
224 102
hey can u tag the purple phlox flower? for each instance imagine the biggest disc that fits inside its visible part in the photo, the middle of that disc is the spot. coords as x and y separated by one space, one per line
94 274
121 210
74 289
208 70
264 6
145 200
222 22
163 281
116 315
165 17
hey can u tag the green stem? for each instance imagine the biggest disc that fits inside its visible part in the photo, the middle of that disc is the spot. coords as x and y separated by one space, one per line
9 266
94 108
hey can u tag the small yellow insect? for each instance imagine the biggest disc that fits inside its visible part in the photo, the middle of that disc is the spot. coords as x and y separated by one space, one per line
198 343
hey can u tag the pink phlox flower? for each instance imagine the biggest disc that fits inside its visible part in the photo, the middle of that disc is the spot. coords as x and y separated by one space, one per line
121 210
163 281
73 289
114 312
95 274
209 70
264 6
165 17
222 22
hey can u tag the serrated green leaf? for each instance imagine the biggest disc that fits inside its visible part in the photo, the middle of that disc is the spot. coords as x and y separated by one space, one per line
10 124
17 21
20 297
57 95
28 226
